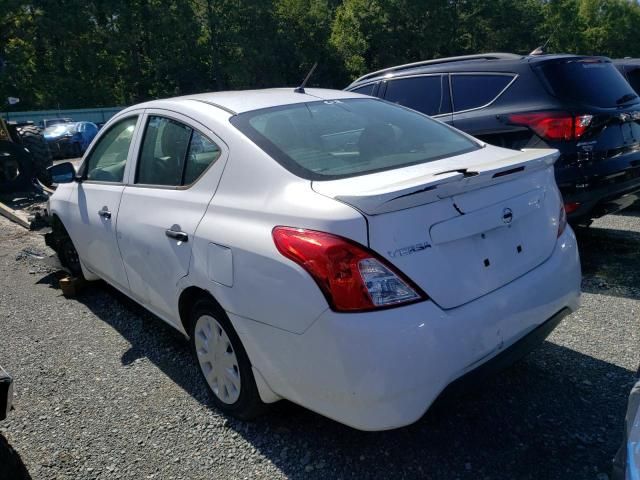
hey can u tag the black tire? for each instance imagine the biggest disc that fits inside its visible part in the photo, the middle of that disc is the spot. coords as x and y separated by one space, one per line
248 405
11 466
69 257
16 168
32 138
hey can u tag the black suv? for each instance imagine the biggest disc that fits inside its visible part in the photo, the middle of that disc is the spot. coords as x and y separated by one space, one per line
580 105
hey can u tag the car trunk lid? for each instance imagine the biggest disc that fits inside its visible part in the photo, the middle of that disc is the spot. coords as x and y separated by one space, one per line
463 226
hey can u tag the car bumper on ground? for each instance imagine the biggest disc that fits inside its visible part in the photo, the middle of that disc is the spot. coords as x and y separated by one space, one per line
382 370
6 393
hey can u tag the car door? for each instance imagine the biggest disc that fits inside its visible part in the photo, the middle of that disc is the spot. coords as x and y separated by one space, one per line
163 203
97 196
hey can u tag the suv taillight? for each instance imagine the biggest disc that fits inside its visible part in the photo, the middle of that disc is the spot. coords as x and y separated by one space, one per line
351 277
553 125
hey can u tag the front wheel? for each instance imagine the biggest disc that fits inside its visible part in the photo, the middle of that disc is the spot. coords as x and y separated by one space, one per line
223 362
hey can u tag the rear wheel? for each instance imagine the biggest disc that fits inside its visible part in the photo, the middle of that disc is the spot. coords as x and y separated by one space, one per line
223 362
32 138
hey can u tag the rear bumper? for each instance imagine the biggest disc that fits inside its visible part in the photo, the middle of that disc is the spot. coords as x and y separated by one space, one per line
603 195
509 355
6 393
382 370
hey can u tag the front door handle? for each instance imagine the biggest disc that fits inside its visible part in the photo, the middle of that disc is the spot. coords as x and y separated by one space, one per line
179 236
104 213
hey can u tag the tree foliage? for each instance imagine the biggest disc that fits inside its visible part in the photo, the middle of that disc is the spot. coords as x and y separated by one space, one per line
75 53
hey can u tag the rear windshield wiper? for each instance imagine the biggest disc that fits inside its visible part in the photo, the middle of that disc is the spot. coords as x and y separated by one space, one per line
626 98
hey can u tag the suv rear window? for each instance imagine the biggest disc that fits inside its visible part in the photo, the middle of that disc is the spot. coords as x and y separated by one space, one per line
333 139
475 90
589 81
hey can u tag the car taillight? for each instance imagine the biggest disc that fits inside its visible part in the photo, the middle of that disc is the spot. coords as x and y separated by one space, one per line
351 277
553 125
571 207
562 220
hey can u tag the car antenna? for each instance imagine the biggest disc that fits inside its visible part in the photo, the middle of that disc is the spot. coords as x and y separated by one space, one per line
541 50
300 89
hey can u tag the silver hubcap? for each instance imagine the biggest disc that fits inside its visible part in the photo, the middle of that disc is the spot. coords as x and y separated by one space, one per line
217 359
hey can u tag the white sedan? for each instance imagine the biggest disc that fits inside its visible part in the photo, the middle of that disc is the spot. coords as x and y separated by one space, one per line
344 253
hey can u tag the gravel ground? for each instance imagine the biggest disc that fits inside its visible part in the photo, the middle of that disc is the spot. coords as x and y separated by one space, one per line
104 390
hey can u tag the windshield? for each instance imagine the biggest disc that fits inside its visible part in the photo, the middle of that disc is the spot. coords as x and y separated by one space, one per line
589 81
342 138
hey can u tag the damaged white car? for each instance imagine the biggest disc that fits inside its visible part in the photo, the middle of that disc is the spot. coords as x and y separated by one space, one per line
344 253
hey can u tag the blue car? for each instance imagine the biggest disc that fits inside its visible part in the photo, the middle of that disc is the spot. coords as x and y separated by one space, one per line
70 139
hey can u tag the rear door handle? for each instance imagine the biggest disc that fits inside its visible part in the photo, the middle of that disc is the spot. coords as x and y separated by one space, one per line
104 213
179 236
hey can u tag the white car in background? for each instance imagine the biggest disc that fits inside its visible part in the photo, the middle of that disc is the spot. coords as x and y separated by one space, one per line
344 253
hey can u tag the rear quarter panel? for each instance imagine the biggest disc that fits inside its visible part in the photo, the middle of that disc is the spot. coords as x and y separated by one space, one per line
255 195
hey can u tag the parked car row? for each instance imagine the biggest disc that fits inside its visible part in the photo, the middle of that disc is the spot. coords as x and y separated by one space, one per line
581 106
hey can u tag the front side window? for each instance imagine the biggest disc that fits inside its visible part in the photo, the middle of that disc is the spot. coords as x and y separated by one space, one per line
107 160
333 139
173 154
365 89
475 91
425 94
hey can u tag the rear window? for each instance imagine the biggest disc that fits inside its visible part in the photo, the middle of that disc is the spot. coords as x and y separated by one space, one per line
334 139
587 81
475 91
425 94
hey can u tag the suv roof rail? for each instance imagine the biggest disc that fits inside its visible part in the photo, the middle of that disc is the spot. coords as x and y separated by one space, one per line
436 61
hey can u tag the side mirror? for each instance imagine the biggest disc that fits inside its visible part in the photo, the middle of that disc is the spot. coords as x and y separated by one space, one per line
62 172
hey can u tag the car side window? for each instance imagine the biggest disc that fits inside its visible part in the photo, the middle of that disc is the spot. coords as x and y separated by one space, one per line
202 153
365 89
475 91
425 94
173 154
107 160
163 153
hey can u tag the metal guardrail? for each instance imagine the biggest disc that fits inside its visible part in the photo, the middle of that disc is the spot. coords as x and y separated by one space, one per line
96 115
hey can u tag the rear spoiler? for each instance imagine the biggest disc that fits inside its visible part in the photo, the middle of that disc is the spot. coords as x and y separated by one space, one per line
414 190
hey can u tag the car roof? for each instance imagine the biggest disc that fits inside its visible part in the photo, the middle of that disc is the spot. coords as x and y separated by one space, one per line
467 63
239 101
